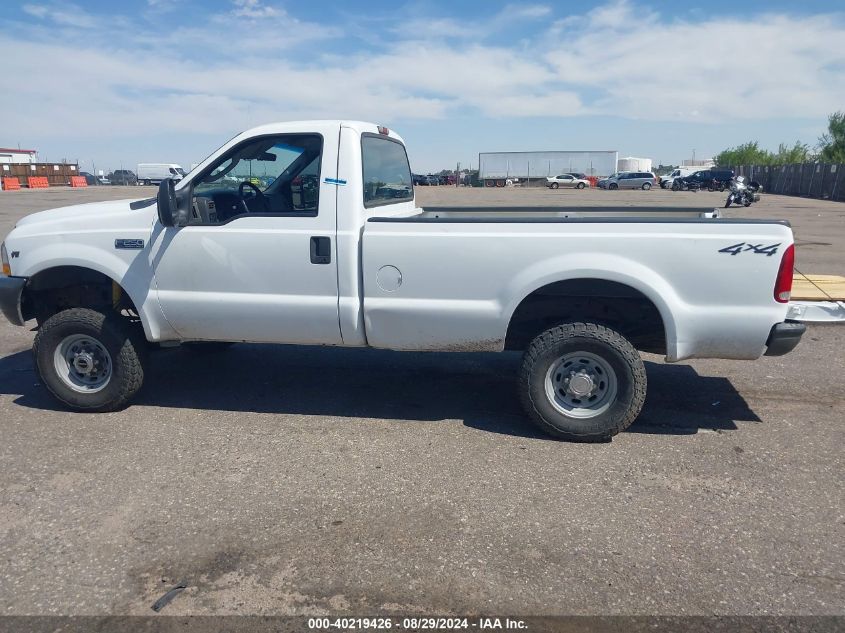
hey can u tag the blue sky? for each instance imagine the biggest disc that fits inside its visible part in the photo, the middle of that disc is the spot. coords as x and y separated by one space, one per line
112 84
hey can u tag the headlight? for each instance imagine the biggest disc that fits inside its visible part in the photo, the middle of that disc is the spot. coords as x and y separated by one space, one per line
4 256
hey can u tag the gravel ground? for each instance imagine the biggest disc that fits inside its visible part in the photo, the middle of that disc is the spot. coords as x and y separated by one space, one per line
283 480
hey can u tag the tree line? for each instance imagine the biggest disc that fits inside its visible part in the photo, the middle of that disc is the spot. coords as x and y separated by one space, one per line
829 149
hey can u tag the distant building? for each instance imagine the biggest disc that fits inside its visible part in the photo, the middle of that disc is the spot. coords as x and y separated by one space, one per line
17 156
701 162
632 163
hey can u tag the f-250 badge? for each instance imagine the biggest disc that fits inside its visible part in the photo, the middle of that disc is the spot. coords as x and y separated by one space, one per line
757 249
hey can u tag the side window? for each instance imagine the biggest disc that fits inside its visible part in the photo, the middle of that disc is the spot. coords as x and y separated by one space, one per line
270 175
386 171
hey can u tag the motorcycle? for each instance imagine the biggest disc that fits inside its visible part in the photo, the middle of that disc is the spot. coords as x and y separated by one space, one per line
742 193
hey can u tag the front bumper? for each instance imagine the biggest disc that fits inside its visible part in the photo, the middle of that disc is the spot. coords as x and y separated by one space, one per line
11 295
784 337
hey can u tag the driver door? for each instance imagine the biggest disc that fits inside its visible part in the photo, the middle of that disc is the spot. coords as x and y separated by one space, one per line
257 261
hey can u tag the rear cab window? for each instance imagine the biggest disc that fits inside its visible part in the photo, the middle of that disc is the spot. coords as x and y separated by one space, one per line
386 170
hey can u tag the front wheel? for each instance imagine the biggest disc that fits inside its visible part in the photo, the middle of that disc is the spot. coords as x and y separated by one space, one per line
613 186
89 360
582 382
580 185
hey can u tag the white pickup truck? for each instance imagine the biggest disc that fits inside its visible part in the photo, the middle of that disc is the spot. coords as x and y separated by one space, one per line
307 233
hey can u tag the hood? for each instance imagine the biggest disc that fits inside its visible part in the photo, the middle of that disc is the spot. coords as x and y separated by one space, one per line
89 217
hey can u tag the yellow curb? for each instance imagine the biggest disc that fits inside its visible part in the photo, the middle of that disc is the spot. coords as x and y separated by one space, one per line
812 287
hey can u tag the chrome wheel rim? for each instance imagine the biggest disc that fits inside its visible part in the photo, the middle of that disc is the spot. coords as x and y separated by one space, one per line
581 385
83 363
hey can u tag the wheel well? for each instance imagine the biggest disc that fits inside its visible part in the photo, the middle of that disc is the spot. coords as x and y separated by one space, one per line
615 305
55 289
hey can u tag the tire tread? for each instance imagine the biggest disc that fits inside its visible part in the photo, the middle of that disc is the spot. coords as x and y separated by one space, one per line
564 332
131 357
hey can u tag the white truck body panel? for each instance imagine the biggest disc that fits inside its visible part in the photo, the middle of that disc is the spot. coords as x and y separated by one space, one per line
459 280
462 282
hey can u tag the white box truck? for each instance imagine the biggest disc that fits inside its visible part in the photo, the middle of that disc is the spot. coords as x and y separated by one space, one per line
154 173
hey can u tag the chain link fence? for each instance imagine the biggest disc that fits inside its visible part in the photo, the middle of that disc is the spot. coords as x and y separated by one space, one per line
825 181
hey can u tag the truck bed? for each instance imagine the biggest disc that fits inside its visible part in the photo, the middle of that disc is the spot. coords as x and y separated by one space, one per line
452 278
546 213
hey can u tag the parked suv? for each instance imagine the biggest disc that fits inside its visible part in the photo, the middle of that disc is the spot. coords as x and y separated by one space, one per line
713 179
123 177
629 180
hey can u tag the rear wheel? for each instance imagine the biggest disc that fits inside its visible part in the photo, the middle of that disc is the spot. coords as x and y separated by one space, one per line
554 185
582 382
646 186
89 360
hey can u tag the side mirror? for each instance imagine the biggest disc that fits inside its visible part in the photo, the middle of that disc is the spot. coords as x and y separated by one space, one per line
169 213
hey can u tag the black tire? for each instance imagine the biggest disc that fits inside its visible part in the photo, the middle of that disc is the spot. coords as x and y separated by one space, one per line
728 202
124 342
676 186
613 186
554 185
207 347
597 340
646 186
580 185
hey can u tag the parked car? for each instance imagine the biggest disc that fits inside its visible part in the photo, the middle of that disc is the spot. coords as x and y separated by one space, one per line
566 180
123 177
629 180
90 179
418 179
717 179
201 262
681 172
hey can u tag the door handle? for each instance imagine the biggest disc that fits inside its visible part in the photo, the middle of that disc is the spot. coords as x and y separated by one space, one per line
321 250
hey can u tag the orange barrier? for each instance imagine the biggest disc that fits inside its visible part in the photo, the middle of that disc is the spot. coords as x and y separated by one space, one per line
78 181
11 184
593 180
37 182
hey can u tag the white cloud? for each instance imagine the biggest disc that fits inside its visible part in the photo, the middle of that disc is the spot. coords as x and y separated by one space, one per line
36 10
527 11
254 9
615 60
64 14
722 68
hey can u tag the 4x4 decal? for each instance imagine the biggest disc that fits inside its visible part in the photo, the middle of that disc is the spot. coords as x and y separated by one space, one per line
757 249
